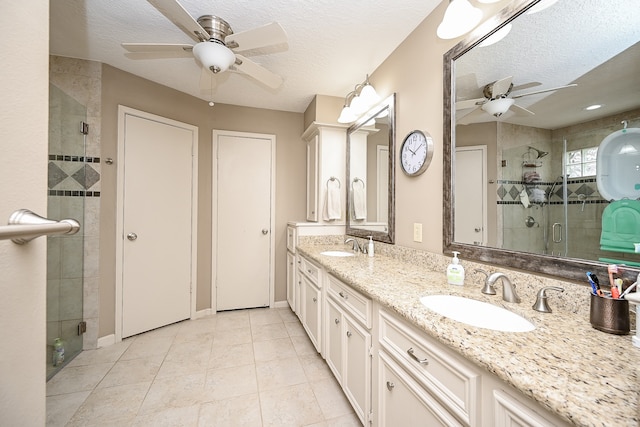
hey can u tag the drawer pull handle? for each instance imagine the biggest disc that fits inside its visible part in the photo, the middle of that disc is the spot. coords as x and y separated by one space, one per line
349 334
416 358
343 295
390 385
315 299
337 321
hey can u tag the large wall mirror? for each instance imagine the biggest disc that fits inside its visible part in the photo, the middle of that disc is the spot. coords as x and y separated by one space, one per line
371 174
522 133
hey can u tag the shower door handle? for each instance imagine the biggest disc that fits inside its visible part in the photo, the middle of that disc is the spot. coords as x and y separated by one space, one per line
557 226
132 236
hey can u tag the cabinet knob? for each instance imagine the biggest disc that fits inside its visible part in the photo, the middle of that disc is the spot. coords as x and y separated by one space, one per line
390 385
343 295
416 358
337 321
349 334
315 299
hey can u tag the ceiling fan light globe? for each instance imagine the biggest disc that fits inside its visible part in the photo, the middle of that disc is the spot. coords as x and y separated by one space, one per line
497 107
214 56
459 18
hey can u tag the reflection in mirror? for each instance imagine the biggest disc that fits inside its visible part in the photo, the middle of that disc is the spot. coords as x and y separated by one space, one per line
371 174
524 183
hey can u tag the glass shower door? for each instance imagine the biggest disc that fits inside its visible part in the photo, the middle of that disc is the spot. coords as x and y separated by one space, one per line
67 177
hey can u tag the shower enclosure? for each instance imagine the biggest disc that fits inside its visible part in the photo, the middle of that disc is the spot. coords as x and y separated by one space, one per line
67 179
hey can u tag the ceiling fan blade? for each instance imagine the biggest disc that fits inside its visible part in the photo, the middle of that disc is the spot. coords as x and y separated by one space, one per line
258 72
159 47
523 86
521 110
501 87
469 103
181 18
473 117
544 90
267 35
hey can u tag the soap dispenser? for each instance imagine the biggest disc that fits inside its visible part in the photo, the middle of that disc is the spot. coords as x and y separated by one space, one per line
370 249
455 271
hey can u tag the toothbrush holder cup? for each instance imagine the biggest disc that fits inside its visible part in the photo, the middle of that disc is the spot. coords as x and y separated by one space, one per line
609 315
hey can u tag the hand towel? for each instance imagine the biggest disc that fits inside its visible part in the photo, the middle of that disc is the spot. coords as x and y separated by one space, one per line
332 208
524 198
359 202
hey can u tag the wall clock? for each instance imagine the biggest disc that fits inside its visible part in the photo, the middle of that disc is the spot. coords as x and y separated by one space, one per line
416 152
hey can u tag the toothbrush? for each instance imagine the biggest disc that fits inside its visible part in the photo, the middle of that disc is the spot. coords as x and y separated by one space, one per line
612 269
595 284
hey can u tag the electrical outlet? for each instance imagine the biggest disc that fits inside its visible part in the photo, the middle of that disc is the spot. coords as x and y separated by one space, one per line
417 232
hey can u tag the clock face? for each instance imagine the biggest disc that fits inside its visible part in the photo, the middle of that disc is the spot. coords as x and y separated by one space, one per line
416 152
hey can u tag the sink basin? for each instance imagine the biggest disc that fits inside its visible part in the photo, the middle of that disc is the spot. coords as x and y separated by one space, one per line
477 313
337 253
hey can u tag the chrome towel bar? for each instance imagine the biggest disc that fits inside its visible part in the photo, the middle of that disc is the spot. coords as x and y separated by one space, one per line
24 226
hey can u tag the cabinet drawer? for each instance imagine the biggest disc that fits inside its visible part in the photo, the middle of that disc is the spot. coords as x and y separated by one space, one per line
356 304
291 239
403 402
309 269
445 375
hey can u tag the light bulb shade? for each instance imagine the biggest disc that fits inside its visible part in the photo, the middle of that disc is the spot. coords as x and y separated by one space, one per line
497 36
358 106
542 5
214 56
369 95
459 18
497 107
346 115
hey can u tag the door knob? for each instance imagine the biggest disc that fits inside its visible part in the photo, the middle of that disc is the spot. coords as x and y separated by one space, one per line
132 236
265 231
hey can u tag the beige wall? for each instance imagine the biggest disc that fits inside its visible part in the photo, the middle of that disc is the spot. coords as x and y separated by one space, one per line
123 88
24 115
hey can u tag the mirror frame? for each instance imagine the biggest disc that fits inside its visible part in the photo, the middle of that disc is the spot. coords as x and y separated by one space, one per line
380 236
562 268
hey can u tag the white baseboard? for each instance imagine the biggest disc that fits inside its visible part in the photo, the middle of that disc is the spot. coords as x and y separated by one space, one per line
203 313
281 304
106 341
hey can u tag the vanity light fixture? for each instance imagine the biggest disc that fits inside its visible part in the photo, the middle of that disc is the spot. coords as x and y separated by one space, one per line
358 101
542 5
459 18
496 37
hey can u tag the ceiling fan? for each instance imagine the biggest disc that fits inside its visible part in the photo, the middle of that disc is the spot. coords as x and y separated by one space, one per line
497 100
217 46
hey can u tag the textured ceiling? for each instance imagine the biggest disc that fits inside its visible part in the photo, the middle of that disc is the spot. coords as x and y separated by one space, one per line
593 43
333 44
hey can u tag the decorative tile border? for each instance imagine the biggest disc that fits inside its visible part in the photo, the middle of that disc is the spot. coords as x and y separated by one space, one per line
74 176
509 191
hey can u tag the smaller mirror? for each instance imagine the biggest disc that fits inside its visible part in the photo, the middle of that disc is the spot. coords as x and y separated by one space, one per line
371 174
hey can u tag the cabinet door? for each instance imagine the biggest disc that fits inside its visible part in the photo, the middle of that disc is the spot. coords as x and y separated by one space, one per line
357 367
402 402
510 412
333 344
291 280
312 179
311 311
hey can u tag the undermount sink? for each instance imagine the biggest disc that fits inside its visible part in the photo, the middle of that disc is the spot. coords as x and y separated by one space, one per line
337 253
477 313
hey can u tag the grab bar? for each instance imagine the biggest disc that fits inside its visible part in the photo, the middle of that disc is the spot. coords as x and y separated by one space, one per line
25 226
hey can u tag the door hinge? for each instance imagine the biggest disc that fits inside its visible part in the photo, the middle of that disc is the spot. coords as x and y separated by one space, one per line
84 128
82 327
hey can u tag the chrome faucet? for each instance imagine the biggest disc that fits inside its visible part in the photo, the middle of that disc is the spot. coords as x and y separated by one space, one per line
355 246
508 289
541 299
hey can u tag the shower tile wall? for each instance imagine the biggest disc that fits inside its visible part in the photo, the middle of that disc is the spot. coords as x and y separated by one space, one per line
82 81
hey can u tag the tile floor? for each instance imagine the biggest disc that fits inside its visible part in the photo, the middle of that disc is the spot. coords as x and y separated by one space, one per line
241 368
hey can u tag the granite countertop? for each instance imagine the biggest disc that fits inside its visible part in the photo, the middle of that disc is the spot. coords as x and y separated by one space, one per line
585 376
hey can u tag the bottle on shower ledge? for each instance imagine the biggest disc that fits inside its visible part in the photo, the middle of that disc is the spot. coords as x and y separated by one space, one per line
58 352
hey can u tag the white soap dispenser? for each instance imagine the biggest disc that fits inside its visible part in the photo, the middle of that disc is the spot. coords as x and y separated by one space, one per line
370 248
455 271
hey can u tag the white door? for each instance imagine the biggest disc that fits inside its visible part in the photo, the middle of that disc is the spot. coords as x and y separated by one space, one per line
383 184
470 203
156 168
243 220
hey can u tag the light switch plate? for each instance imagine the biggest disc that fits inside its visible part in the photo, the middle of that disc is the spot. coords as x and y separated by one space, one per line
417 232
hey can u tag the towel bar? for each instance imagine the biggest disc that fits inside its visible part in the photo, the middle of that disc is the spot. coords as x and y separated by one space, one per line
356 179
333 178
24 226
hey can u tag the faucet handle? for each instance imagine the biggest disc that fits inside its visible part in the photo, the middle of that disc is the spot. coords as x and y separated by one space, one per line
488 288
541 299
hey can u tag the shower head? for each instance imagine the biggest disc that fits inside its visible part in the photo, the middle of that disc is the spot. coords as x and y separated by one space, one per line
539 153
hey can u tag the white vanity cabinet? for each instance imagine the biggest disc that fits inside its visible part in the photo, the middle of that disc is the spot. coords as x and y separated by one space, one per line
310 286
326 158
293 292
447 386
348 319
